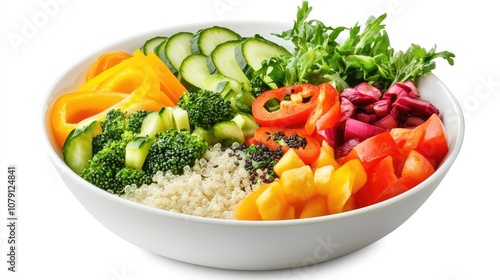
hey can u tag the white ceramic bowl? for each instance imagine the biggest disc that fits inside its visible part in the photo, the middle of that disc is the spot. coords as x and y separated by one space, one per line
249 245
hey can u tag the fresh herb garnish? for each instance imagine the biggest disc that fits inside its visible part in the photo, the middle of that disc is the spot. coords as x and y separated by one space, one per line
365 55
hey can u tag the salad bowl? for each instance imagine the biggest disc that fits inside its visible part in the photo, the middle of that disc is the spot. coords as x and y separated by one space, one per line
248 245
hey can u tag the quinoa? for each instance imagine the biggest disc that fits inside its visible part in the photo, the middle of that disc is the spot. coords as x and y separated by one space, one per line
211 188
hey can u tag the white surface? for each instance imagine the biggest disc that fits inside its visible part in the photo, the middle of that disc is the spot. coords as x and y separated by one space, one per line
454 236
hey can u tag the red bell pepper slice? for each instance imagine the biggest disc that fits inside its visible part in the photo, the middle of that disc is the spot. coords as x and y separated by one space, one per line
327 98
433 144
375 148
382 184
295 104
308 152
416 169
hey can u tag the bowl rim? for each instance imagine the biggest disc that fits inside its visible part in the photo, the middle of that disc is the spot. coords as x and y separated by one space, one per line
58 162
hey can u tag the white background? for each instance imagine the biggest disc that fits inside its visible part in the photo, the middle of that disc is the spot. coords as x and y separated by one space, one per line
454 236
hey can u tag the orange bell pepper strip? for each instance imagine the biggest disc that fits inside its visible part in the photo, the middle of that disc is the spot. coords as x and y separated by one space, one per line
106 61
169 83
79 108
169 87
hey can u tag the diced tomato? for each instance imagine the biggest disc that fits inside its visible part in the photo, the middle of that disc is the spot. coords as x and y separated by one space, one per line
295 104
416 169
433 144
376 148
380 177
308 153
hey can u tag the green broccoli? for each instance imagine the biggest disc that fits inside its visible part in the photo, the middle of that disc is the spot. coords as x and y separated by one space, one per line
112 127
135 120
206 108
115 124
258 86
104 166
107 166
129 176
173 150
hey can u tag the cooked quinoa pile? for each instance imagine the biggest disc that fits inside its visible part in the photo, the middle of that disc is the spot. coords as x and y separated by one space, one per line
211 188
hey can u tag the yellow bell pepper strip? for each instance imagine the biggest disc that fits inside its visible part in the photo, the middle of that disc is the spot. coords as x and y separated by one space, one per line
123 77
106 61
79 108
130 78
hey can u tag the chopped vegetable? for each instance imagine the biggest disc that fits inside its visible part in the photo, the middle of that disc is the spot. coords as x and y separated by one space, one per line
173 150
206 108
365 56
290 105
106 61
305 146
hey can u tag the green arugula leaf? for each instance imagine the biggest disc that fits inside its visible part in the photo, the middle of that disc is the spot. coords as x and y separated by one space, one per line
366 55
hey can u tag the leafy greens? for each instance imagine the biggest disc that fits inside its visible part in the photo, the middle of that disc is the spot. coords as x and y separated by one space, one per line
366 55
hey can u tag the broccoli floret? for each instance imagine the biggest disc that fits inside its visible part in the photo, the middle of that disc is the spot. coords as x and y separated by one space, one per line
117 123
173 150
112 127
257 86
135 120
205 108
260 157
104 166
107 168
128 176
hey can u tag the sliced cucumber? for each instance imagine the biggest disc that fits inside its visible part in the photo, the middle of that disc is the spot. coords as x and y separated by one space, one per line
160 52
136 151
208 135
77 149
167 117
181 118
205 40
222 84
224 61
247 123
151 44
177 48
152 124
243 101
194 71
228 132
252 51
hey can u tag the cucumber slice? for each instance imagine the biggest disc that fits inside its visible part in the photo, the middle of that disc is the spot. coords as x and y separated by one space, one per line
181 118
160 52
177 48
224 61
222 84
77 149
228 132
205 40
136 151
152 124
252 51
247 123
194 71
208 135
151 44
167 117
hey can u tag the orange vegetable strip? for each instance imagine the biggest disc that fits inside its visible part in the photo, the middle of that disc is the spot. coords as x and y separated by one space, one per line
106 61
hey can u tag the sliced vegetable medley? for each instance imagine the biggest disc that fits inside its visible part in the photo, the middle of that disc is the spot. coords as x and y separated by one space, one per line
324 128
